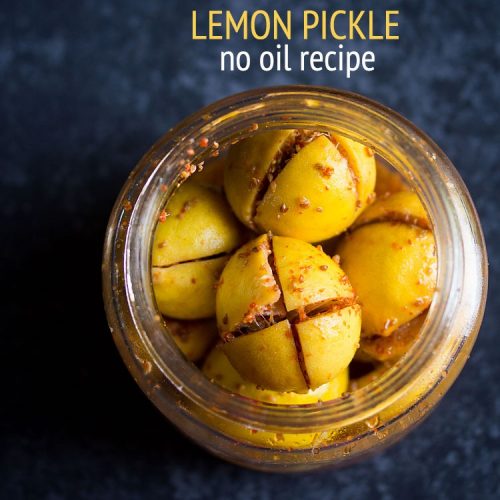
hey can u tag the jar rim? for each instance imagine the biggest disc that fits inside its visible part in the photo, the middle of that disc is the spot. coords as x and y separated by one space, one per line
456 310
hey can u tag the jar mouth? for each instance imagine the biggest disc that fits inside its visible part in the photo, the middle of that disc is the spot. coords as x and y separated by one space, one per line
458 304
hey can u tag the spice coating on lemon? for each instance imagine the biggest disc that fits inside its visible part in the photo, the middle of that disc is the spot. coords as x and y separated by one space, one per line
198 224
390 258
276 292
301 184
190 248
248 165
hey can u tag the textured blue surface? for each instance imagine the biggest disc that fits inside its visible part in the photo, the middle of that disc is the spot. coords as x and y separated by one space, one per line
86 88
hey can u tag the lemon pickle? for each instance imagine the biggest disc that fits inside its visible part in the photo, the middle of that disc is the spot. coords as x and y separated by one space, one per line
246 290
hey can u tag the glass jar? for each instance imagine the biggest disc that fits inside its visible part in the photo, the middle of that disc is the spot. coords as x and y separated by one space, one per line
283 438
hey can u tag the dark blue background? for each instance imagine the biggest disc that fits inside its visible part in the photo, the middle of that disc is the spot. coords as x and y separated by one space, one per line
86 88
